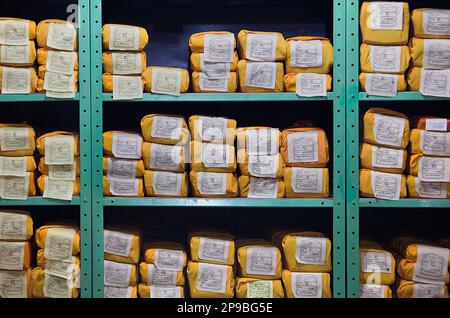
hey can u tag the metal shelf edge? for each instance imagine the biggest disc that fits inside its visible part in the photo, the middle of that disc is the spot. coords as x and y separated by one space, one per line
401 96
36 201
405 203
37 97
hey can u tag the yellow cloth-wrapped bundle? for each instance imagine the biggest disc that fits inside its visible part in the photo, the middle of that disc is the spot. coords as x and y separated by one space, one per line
31 26
107 82
263 166
272 81
213 184
57 34
261 46
306 285
255 288
120 292
146 291
42 55
147 77
307 182
309 54
30 163
18 55
212 129
165 129
196 62
163 157
19 139
212 247
429 169
15 255
42 71
151 275
259 140
129 144
211 157
197 40
114 274
290 82
166 184
409 247
58 287
401 82
387 183
43 179
384 59
375 291
210 280
41 236
124 63
413 77
382 159
128 188
406 269
425 122
122 246
259 259
23 225
385 23
140 168
252 187
20 282
429 53
410 289
41 261
419 189
15 182
377 266
40 142
165 254
124 37
431 23
213 85
19 72
44 169
433 143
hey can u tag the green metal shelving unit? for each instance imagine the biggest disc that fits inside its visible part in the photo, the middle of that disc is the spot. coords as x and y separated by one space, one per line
99 100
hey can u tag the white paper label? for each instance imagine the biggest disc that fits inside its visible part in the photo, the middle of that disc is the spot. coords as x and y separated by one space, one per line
165 292
435 143
14 138
303 146
61 62
428 291
385 58
213 250
127 63
59 244
65 269
307 180
212 183
261 74
61 95
260 289
59 150
262 261
128 146
14 32
64 173
161 277
310 250
13 284
262 141
12 255
13 226
166 127
61 36
382 84
436 124
215 155
119 169
436 54
214 69
127 87
434 169
435 83
219 47
388 130
386 185
117 274
213 84
436 22
58 189
17 54
387 157
306 285
166 81
386 16
372 291
434 190
261 47
212 278
13 166
263 188
117 243
124 187
14 188
212 129
167 183
57 287
16 80
170 260
306 53
263 166
431 264
311 85
165 157
123 38
117 292
376 262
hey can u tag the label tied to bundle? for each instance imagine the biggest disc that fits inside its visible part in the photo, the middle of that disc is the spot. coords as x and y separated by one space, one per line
14 188
65 269
13 226
167 127
61 36
63 172
376 262
212 129
124 187
13 284
14 32
127 87
311 85
388 130
61 62
60 95
436 124
261 47
385 58
428 291
215 155
310 250
59 150
263 188
435 143
61 83
214 69
262 141
12 255
121 169
57 287
219 47
306 53
434 190
436 54
306 285
16 80
386 185
436 22
382 84
166 81
435 83
303 146
167 183
17 54
13 166
307 180
212 278
263 166
213 84
59 244
433 169
387 157
170 260
261 74
117 243
213 250
165 157
372 291
127 63
161 277
260 289
117 292
386 16
117 274
128 146
262 261
165 292
14 138
212 183
431 264
58 189
123 38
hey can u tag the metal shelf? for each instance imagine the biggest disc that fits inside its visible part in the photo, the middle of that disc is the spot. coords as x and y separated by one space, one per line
404 203
36 201
37 97
401 96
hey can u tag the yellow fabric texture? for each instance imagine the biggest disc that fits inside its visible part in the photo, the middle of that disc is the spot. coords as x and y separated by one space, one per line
192 274
413 77
417 22
287 282
195 62
37 284
143 270
43 168
290 191
421 122
26 263
405 269
327 56
29 225
151 248
242 287
241 135
416 46
366 65
148 183
197 40
108 140
28 282
42 32
147 78
135 248
31 141
143 36
242 253
231 189
322 148
405 289
243 159
232 83
144 291
401 83
369 121
414 164
412 190
383 37
365 156
146 155
415 141
242 44
376 278
107 82
42 54
41 260
31 58
41 236
147 124
197 163
244 186
140 168
107 185
40 142
409 249
290 82
365 184
33 82
194 244
230 133
107 62
41 185
31 28
279 85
